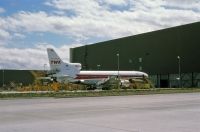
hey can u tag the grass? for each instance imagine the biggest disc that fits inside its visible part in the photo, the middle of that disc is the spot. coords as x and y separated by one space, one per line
70 94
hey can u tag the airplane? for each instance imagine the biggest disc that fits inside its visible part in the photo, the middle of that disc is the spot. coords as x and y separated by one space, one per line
71 72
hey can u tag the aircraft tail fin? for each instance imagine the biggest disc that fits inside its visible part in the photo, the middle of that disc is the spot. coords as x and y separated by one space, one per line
54 60
57 66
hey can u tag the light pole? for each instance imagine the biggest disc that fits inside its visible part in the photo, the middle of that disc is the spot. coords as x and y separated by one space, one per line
179 70
3 77
140 61
118 69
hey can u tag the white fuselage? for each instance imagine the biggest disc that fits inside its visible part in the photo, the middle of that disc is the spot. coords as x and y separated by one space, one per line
106 74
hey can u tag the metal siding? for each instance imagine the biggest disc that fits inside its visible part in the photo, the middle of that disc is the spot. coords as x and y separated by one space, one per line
159 50
17 76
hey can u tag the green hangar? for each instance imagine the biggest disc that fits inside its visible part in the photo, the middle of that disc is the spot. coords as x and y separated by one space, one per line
9 77
164 54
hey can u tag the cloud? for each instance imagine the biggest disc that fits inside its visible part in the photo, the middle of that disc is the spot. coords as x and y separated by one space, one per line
2 10
115 2
4 34
193 5
19 36
92 19
140 16
30 58
77 6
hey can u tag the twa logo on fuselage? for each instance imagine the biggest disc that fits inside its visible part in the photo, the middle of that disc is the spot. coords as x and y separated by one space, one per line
55 62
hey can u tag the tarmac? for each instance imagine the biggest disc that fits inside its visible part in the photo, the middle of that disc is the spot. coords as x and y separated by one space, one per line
138 113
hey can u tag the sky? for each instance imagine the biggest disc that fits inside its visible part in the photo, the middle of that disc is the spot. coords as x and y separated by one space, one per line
28 27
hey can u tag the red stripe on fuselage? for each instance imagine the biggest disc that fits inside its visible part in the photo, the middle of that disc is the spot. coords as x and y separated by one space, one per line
91 76
103 76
